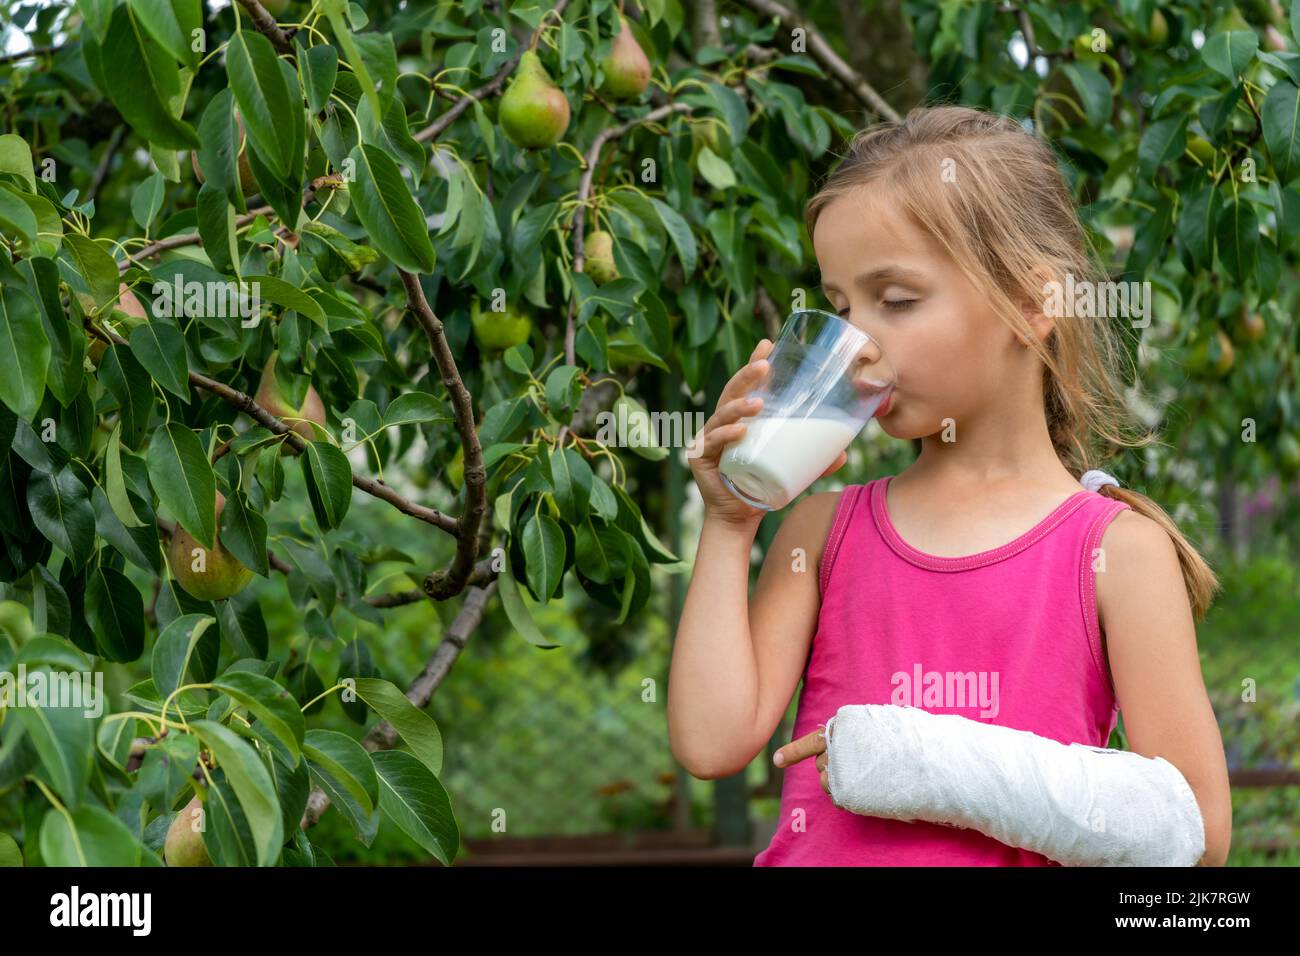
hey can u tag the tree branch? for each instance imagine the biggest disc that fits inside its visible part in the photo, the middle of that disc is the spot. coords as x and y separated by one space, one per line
592 160
246 404
106 163
33 52
704 25
454 639
823 53
267 26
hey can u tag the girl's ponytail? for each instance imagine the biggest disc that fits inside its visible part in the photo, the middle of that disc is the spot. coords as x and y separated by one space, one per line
1198 576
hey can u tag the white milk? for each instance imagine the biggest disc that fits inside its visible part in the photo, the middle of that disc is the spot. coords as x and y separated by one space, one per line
779 457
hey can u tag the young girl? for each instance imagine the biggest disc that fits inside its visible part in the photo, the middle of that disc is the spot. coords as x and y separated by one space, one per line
984 560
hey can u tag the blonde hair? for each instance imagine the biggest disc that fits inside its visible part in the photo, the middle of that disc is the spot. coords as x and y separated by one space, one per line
991 194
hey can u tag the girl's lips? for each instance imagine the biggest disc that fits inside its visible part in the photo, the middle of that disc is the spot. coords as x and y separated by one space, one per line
886 406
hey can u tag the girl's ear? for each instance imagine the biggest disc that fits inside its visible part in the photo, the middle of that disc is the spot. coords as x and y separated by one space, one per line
1041 308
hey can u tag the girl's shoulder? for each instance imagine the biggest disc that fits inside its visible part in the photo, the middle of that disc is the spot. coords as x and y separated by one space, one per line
809 523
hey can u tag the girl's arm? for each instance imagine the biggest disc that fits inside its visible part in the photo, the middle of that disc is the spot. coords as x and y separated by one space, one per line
736 663
1150 641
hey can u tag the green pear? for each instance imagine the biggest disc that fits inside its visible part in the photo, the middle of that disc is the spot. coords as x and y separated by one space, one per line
627 71
276 8
221 575
183 846
534 112
498 331
598 255
272 399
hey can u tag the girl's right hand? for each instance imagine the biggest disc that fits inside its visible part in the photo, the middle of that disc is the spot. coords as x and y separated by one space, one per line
723 428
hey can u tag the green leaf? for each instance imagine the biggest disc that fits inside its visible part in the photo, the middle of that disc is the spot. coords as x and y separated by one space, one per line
343 769
319 66
1197 222
517 611
1094 91
23 340
1162 141
243 534
143 92
1229 52
10 854
160 348
167 768
89 836
329 483
289 297
147 200
252 784
172 23
95 266
715 170
680 233
386 208
414 799
16 158
216 221
412 724
1281 118
355 256
60 508
600 551
412 407
219 152
563 392
17 217
571 477
64 741
544 550
173 650
187 487
270 703
1238 238
115 612
393 136
264 99
242 625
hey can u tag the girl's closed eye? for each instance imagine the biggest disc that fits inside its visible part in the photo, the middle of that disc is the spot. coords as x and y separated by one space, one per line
898 305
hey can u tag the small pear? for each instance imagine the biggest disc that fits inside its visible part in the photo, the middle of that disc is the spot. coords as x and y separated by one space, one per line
127 304
220 574
247 181
627 71
534 112
184 847
272 399
598 256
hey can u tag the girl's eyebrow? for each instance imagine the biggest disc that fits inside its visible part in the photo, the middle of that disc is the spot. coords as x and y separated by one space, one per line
885 272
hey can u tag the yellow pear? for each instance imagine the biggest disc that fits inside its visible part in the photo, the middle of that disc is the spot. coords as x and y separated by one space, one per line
218 575
627 71
272 399
184 847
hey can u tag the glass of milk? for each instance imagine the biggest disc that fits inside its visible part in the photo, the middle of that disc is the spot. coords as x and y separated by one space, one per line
826 379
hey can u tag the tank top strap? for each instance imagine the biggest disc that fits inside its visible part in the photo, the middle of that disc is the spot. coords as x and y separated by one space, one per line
1101 512
845 511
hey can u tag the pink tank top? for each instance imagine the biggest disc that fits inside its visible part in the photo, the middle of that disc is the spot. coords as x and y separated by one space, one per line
1007 636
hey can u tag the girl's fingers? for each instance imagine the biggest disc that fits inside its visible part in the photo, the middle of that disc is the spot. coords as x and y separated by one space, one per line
728 412
715 439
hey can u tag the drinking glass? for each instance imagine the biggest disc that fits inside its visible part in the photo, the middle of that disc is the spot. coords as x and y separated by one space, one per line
826 379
